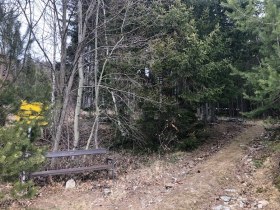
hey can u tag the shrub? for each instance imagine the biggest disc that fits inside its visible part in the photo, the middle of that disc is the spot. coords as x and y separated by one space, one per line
17 154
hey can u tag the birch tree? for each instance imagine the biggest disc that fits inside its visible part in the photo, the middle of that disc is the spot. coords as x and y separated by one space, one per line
108 33
63 82
82 29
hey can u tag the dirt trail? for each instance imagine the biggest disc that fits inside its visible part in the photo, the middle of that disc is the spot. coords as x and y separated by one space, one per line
219 177
225 180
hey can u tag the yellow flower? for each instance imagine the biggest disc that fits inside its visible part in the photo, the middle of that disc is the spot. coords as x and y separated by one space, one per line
35 106
43 123
25 113
31 111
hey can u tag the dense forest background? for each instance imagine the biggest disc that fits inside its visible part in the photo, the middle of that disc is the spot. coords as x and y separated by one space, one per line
132 74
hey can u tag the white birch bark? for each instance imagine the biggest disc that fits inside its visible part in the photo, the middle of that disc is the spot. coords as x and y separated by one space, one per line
63 34
96 66
117 114
81 77
67 89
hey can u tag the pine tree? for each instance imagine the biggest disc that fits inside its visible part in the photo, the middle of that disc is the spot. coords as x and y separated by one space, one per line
261 18
18 154
189 60
10 50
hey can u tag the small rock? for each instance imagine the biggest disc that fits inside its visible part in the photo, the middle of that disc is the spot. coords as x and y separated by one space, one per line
244 203
191 164
230 190
107 191
241 204
249 160
262 204
254 203
169 186
225 198
174 180
221 207
70 184
244 183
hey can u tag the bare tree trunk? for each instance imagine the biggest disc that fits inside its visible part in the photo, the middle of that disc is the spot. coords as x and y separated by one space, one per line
160 91
63 35
91 134
81 77
105 28
96 66
212 113
63 98
67 89
117 114
205 112
97 81
63 111
53 113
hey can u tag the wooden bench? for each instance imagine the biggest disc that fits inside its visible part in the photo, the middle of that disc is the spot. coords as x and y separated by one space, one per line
108 164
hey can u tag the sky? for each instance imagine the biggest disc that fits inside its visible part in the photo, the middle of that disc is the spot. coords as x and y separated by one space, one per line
42 18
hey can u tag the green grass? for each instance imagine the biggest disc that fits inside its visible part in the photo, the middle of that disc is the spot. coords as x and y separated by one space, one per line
258 163
277 182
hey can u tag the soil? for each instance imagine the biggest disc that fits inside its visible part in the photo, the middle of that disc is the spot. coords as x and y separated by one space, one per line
230 171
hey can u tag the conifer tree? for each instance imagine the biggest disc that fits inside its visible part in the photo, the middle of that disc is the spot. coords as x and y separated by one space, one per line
191 68
261 18
18 154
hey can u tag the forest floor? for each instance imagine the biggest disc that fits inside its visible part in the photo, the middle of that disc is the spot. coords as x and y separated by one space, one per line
234 169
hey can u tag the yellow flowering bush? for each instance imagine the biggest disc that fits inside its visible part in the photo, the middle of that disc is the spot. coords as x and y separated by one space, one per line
30 112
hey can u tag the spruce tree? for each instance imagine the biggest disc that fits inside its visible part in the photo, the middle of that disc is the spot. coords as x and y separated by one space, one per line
262 19
17 155
189 60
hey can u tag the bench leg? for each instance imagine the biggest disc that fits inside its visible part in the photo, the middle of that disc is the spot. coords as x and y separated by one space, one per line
111 171
49 180
111 174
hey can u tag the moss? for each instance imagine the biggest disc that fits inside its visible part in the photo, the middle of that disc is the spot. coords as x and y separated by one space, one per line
24 190
276 182
261 190
258 163
275 146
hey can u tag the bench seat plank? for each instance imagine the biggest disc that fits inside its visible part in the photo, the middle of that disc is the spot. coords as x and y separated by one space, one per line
71 170
75 153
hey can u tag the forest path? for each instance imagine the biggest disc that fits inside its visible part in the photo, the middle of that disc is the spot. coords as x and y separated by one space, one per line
227 180
224 179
